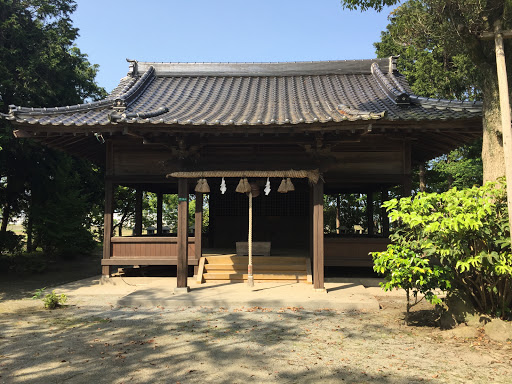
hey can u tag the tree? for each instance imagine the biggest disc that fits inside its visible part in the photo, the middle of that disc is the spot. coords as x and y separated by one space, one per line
434 69
40 66
456 25
60 226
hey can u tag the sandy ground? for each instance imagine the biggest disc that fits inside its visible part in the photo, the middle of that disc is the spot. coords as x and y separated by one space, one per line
104 342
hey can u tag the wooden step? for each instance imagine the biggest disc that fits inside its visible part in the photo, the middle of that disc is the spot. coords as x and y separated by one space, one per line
256 267
257 276
256 259
266 268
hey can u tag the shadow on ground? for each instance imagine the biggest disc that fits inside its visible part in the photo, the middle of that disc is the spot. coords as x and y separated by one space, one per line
152 346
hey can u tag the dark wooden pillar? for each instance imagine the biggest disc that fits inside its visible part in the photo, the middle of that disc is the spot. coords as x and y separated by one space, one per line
318 235
407 177
198 225
107 225
369 212
182 271
109 208
311 223
159 211
338 205
406 186
384 214
138 213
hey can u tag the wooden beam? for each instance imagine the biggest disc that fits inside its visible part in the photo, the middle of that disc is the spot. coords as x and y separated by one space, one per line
159 212
182 267
369 212
318 235
198 225
138 212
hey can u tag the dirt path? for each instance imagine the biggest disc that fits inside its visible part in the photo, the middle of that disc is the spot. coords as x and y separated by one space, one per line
239 345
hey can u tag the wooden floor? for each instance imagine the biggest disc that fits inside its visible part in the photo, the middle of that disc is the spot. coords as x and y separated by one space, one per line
222 268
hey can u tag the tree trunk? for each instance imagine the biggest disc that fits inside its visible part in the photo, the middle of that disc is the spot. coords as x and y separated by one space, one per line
492 146
30 223
6 213
423 184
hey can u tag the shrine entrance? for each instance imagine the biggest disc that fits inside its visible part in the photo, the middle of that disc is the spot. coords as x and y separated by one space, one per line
269 217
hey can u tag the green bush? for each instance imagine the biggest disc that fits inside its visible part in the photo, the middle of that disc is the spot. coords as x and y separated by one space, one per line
10 243
458 240
52 300
403 268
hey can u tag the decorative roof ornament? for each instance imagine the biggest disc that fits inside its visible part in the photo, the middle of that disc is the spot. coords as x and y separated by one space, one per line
223 188
134 68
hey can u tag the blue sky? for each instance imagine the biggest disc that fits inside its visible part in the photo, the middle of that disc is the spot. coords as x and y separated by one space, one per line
221 31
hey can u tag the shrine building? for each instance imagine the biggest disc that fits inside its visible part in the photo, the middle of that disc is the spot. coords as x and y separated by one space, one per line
265 139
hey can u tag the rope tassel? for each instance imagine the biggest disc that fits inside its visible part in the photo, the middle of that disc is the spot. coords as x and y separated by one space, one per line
282 187
202 186
289 185
243 186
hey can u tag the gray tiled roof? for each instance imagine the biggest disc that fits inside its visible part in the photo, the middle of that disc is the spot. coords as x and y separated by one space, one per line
219 94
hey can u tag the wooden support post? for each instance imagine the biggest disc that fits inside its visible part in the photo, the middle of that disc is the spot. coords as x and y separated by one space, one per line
138 213
311 236
107 226
505 116
384 213
338 205
318 236
369 212
108 222
182 267
159 212
407 177
406 186
198 225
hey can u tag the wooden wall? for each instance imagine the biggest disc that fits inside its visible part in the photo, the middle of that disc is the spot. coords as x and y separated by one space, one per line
148 250
353 251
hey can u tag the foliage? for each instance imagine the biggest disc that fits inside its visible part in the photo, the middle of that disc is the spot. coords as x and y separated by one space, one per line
461 168
444 56
40 66
352 211
38 293
406 269
465 233
434 68
10 243
52 300
62 211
